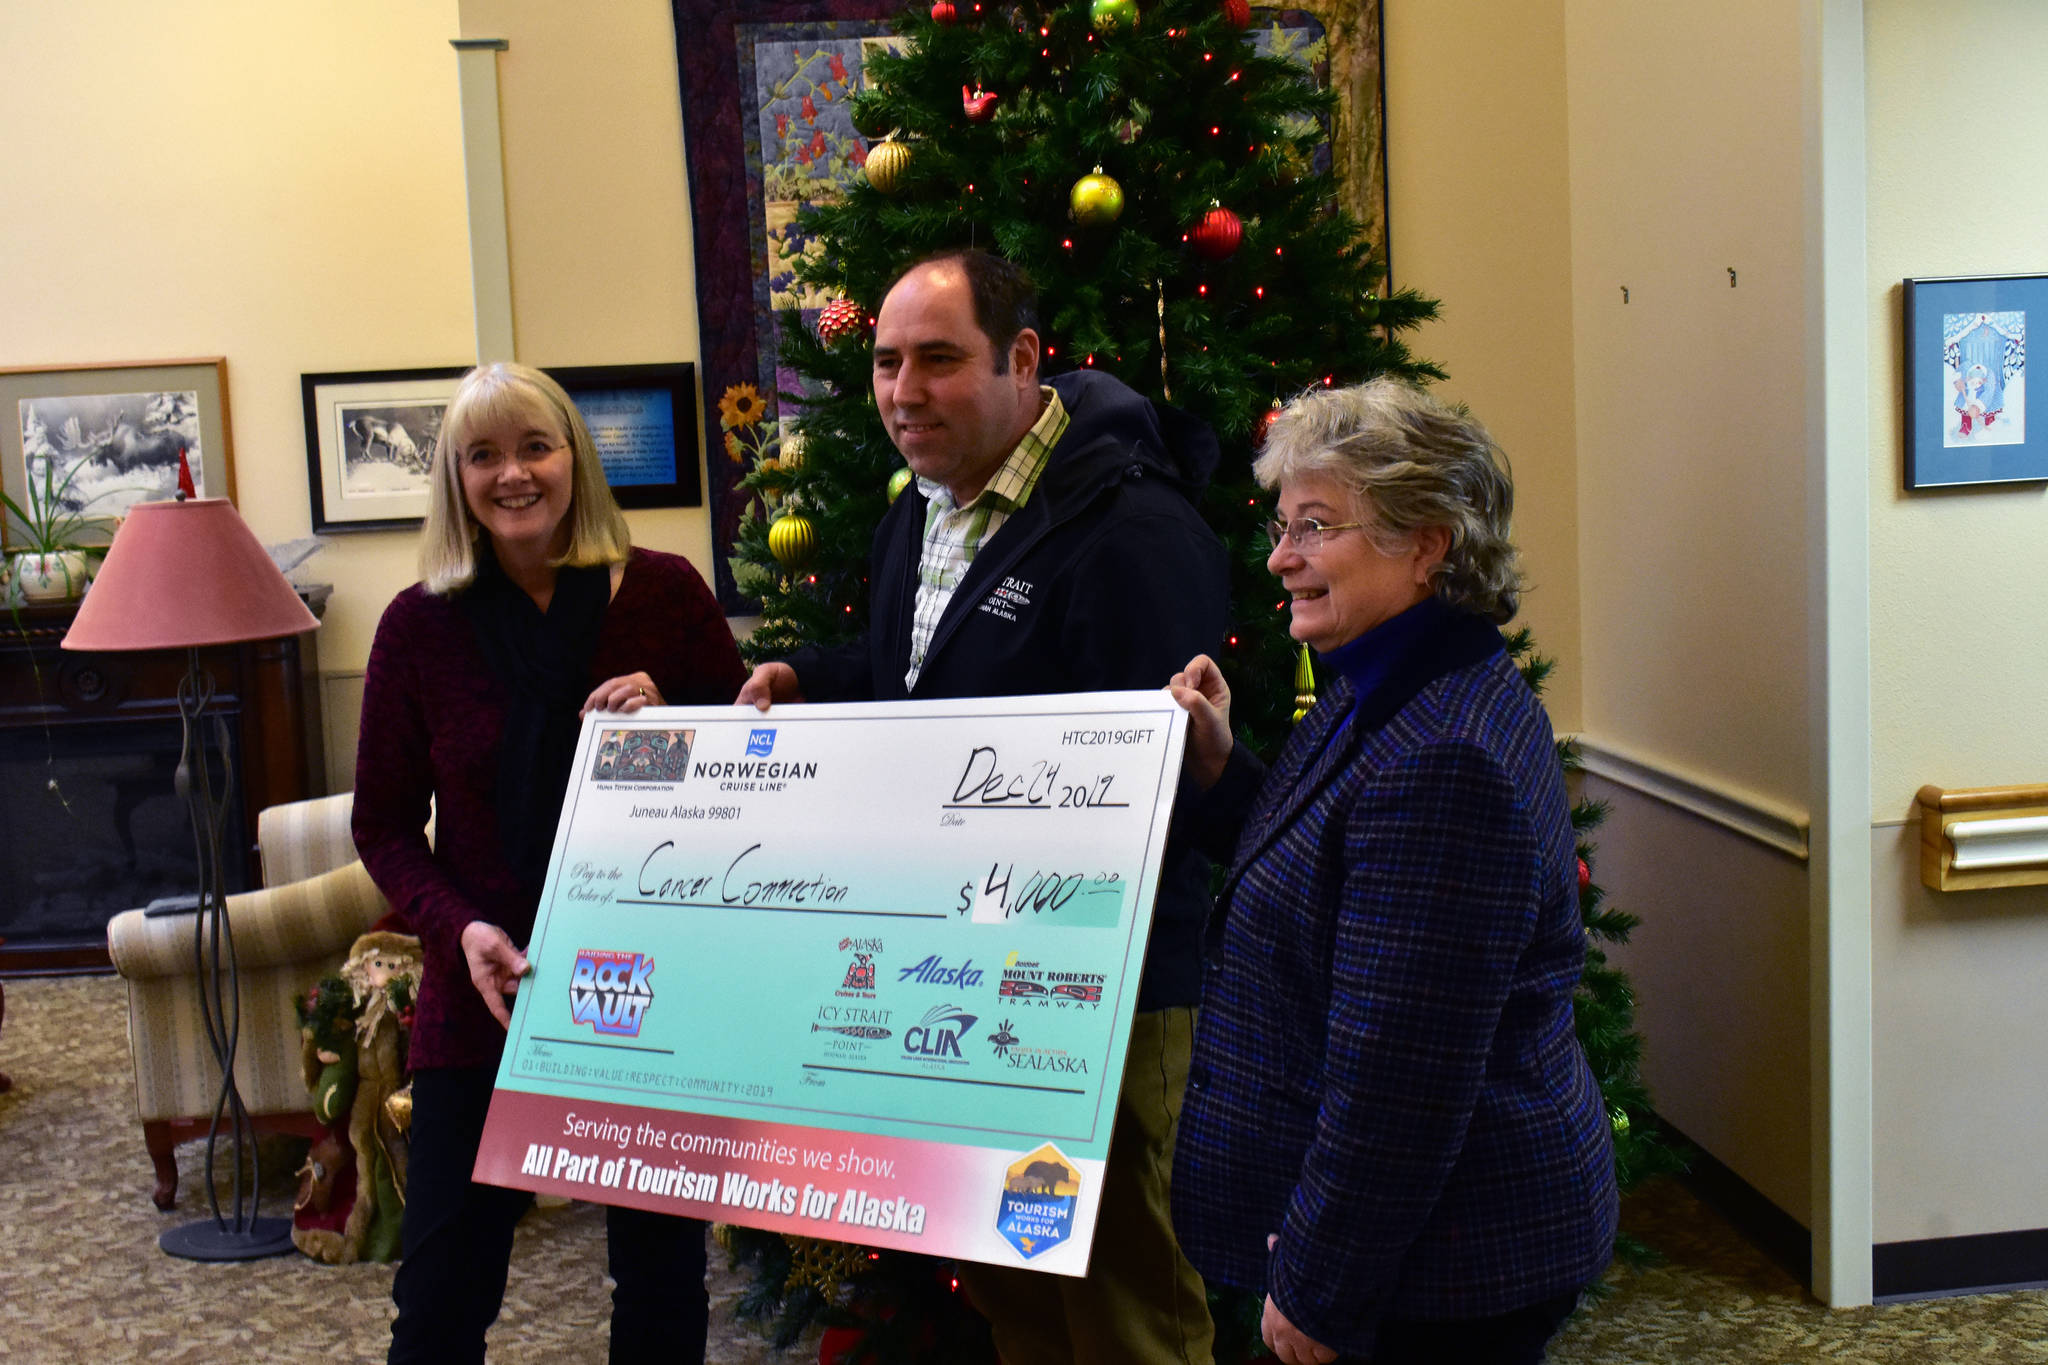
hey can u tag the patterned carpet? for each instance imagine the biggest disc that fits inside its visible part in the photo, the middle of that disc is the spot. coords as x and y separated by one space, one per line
82 1279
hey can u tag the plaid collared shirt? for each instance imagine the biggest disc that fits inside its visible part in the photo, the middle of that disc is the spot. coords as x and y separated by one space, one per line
954 535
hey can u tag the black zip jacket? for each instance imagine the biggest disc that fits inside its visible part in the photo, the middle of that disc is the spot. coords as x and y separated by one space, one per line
1107 578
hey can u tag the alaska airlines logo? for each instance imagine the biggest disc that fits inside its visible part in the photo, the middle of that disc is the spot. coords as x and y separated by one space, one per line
937 1036
933 971
760 743
610 991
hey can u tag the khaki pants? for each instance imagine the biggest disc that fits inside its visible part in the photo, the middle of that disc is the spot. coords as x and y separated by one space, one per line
1142 1303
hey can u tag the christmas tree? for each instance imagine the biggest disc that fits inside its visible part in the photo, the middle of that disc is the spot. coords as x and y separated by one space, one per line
1160 169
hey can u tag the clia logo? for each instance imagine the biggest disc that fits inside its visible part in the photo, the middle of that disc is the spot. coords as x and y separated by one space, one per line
937 1036
610 991
760 743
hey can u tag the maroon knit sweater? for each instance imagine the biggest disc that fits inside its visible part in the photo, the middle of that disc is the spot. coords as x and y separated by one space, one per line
433 717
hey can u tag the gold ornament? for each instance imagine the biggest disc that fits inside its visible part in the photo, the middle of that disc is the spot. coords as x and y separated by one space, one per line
1097 200
1108 16
824 1266
888 163
899 481
1304 684
792 540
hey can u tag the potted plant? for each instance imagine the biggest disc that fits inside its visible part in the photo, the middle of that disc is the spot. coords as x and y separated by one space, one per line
53 542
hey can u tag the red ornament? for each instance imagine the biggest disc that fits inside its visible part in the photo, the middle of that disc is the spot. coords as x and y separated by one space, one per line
980 106
838 1345
944 13
839 320
1585 876
1237 13
1265 427
1217 235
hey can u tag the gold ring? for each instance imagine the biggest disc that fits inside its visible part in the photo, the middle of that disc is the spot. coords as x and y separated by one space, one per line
642 691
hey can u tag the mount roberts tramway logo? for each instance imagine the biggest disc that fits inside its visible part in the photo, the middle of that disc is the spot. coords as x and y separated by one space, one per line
1040 1190
936 1037
611 991
1031 983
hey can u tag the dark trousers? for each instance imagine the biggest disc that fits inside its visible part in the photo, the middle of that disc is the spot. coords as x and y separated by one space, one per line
1516 1338
458 1247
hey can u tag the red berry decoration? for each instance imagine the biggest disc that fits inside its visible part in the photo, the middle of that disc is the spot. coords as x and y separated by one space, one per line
1217 235
980 106
944 13
839 320
1585 876
1237 13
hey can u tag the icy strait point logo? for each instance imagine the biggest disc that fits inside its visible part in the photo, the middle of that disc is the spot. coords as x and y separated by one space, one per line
610 992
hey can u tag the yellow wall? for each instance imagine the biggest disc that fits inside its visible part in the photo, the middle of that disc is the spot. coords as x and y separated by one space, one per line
1959 636
283 185
278 184
1481 220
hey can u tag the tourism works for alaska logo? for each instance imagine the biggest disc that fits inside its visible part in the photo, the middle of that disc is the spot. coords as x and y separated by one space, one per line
1040 1190
611 991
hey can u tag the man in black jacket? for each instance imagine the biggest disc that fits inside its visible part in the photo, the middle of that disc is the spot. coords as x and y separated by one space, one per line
1050 543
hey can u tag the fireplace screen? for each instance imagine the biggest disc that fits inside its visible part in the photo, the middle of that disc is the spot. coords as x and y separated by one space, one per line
91 824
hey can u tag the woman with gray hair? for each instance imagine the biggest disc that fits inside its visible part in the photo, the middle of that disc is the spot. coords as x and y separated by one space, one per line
1391 1129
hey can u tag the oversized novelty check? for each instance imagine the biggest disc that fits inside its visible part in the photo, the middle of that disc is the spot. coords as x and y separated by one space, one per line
860 972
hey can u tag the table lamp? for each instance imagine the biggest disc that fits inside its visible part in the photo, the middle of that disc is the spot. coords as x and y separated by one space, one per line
186 575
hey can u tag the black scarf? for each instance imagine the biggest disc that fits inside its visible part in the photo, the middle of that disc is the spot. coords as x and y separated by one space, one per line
542 664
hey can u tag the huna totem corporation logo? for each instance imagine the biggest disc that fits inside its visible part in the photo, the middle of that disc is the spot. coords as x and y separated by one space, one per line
1040 1190
610 992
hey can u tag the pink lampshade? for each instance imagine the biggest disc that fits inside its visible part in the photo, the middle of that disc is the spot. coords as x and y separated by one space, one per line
186 573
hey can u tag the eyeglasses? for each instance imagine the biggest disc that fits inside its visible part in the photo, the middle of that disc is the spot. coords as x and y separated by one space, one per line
1306 532
532 450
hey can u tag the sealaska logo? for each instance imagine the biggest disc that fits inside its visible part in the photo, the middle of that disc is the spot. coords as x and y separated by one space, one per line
933 971
936 1037
610 991
1003 1039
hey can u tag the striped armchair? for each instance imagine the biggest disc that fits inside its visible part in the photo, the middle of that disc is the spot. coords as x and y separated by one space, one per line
317 899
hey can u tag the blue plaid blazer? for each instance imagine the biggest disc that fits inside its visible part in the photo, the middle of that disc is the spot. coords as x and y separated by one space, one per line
1386 1072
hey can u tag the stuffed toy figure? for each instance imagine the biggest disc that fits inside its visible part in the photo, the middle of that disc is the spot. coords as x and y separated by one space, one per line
351 1199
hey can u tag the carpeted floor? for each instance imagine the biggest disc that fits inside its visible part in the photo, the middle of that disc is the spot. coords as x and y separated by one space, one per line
81 1278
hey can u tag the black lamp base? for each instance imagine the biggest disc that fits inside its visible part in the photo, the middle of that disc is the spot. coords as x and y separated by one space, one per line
208 1240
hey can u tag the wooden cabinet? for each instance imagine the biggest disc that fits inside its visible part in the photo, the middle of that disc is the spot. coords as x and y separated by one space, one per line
90 820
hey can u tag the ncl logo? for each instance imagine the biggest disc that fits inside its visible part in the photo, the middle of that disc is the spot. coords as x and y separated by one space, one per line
609 991
760 743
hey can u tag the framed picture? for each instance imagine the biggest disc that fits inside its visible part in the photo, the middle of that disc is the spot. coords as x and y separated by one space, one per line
369 443
644 420
115 431
1966 381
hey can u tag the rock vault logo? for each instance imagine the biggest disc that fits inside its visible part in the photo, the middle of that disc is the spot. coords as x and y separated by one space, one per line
936 1037
610 991
1040 1190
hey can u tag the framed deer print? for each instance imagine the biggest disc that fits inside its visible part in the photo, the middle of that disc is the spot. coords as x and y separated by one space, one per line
369 443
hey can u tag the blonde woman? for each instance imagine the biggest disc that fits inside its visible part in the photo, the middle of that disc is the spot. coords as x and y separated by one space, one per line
533 608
